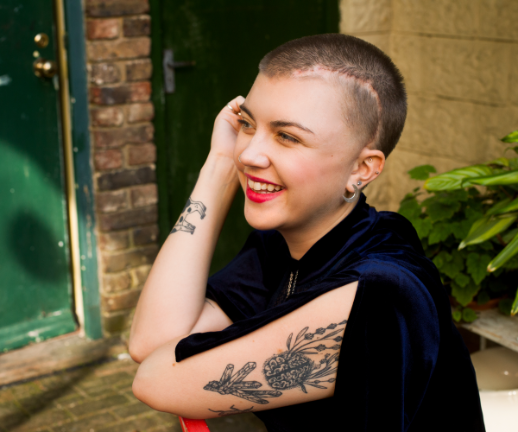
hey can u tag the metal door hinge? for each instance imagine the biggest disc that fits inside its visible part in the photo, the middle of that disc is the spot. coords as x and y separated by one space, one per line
169 65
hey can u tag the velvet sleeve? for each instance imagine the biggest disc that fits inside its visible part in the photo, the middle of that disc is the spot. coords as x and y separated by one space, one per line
390 348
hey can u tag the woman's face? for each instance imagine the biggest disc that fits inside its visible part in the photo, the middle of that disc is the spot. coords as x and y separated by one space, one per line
296 153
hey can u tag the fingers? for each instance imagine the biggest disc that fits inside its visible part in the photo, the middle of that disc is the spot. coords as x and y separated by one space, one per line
234 104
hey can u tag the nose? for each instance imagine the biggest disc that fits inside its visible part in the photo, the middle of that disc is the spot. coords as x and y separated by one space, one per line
254 155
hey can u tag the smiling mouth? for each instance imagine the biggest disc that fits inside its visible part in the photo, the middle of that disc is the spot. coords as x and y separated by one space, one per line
263 188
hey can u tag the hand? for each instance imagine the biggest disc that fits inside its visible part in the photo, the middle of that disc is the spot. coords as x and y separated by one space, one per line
226 128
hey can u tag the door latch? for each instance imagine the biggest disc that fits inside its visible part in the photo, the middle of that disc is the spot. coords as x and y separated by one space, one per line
169 66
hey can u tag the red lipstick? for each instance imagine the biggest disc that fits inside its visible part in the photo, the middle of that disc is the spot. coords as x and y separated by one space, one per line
261 197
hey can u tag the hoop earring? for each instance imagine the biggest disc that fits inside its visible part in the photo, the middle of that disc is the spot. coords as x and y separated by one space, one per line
353 198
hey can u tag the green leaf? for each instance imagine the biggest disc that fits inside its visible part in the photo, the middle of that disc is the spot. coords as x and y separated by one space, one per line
469 315
441 209
509 235
453 179
506 178
441 259
457 315
454 266
462 280
505 255
505 306
440 232
476 266
500 161
464 294
410 208
514 306
497 208
511 138
483 297
485 228
422 226
421 172
513 163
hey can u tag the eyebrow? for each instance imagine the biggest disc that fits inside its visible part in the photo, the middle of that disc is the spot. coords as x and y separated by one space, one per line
278 123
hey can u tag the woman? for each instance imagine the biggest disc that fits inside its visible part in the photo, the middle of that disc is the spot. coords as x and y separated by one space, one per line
330 314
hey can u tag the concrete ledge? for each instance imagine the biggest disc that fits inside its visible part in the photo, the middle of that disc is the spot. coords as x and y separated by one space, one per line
55 354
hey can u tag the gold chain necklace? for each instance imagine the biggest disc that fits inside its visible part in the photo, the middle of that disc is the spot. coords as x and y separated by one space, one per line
290 289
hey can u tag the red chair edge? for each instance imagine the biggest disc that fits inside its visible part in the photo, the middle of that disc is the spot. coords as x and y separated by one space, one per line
190 425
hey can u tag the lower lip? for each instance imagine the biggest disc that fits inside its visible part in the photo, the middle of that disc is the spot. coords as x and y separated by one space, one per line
261 197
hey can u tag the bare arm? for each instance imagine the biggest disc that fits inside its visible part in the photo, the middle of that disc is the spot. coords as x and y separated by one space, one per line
173 297
290 361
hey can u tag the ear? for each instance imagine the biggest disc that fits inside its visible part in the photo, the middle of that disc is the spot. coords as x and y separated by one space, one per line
368 166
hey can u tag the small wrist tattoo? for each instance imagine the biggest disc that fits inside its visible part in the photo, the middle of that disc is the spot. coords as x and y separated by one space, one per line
190 208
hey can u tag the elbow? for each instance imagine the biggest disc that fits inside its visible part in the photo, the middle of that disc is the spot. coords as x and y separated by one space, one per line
148 391
137 350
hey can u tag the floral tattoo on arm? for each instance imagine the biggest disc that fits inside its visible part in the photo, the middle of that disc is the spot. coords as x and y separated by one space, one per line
292 368
189 208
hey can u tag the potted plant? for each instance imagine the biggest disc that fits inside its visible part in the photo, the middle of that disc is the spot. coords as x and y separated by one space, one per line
467 221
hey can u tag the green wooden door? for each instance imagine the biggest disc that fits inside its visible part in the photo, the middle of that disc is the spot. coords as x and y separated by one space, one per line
226 39
35 277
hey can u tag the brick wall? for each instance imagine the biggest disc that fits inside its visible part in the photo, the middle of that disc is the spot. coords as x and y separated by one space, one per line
456 57
119 68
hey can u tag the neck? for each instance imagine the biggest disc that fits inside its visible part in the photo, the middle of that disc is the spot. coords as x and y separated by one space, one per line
302 238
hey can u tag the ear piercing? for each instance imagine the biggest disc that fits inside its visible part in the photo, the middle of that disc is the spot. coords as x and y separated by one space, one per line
239 159
230 108
370 160
377 172
359 183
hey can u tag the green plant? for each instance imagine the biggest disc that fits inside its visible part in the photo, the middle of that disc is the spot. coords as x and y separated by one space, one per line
468 227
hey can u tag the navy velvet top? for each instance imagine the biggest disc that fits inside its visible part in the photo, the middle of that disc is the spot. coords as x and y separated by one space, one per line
403 365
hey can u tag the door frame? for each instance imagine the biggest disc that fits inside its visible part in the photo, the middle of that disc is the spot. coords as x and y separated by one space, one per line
75 137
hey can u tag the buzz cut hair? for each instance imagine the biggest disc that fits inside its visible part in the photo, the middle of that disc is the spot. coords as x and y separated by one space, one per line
375 101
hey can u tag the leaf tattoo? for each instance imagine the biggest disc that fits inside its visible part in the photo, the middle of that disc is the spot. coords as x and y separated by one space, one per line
232 410
289 369
234 385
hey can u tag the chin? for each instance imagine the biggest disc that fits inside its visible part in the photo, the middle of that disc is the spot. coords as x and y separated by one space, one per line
262 220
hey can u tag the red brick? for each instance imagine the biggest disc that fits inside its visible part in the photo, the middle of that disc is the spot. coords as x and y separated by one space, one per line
145 235
102 29
120 136
137 26
119 49
103 73
107 8
141 154
125 93
140 274
139 70
111 116
107 159
108 202
117 282
120 301
114 241
144 195
128 219
125 260
140 112
125 178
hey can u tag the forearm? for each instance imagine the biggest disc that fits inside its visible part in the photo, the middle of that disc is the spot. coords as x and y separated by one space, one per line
174 293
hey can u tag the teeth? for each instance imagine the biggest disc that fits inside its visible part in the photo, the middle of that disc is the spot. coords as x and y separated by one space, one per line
259 187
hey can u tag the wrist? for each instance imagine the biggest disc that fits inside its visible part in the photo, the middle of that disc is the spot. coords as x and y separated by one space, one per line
220 169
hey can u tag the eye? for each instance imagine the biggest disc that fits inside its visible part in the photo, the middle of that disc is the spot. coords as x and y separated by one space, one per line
287 138
245 124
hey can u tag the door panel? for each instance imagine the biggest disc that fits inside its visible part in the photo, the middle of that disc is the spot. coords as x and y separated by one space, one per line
226 39
35 281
